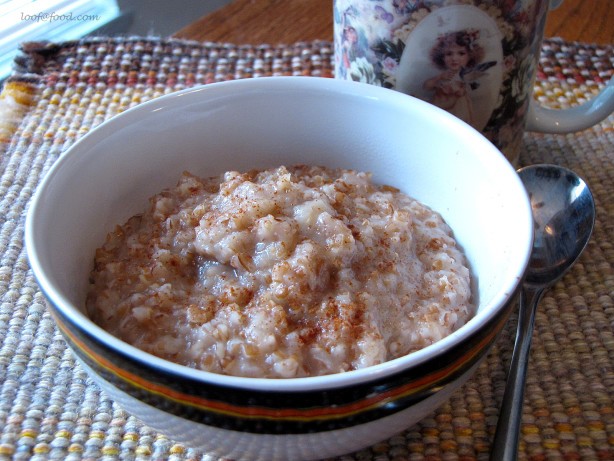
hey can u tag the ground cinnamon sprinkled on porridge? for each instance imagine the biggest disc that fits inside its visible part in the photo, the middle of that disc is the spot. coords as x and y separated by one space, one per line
281 273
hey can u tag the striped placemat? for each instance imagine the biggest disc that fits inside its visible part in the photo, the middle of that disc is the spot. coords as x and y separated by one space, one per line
49 409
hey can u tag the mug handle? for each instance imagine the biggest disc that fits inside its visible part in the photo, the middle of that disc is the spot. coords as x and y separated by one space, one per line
542 120
558 121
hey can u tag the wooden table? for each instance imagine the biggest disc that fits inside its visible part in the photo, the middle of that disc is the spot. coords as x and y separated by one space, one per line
288 21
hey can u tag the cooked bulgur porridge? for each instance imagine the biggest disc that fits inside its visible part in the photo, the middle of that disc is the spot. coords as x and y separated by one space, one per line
288 272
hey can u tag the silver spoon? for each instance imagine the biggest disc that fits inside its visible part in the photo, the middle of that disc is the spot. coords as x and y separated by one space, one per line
564 216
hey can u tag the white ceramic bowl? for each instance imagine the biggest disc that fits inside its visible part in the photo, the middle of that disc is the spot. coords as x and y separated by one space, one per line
108 175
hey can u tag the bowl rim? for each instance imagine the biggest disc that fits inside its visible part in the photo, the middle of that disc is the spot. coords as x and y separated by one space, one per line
290 83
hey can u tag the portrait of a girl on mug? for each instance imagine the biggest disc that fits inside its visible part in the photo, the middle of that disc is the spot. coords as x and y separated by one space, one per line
458 55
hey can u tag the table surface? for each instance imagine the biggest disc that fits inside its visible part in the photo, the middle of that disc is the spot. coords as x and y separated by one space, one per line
289 21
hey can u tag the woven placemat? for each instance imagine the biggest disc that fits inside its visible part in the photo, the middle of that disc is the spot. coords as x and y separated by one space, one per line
49 409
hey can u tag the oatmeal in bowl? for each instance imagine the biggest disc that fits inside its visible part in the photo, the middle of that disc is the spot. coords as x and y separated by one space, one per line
281 273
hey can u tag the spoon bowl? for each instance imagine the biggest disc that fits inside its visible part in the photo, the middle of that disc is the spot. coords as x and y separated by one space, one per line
564 216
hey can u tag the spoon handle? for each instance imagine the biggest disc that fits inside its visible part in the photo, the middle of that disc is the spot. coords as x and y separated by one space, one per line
505 443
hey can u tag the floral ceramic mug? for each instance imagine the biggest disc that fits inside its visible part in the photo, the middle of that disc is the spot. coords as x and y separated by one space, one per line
474 58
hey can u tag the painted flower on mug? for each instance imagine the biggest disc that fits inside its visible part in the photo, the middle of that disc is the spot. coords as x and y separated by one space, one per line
524 78
390 64
509 63
361 70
